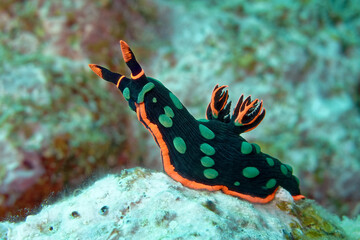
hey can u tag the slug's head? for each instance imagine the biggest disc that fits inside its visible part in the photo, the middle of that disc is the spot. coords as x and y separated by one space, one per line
132 88
246 116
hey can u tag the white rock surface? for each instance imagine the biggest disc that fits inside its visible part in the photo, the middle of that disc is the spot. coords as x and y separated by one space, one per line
142 204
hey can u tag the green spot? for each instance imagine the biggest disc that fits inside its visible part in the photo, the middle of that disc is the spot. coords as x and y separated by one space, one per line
126 93
257 147
210 173
271 183
238 124
203 120
176 101
250 172
270 161
168 111
289 168
206 132
144 90
179 144
246 148
284 169
207 161
154 100
207 149
236 183
215 116
165 121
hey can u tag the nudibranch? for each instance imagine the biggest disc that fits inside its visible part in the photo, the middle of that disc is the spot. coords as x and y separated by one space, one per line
207 153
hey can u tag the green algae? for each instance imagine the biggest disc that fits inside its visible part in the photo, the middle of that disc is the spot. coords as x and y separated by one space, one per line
313 222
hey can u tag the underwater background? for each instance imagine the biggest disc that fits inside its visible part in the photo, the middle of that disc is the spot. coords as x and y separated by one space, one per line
61 126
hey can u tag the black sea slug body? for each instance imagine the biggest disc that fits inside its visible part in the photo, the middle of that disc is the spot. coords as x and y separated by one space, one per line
209 153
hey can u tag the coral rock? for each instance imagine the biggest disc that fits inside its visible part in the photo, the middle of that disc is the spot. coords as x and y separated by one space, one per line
143 204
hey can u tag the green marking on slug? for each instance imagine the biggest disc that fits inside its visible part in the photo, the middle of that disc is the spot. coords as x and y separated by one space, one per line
126 93
154 100
289 168
207 149
284 169
165 121
257 147
237 183
238 124
250 172
246 148
210 173
176 101
206 132
271 183
270 161
203 120
207 161
215 116
169 112
179 145
144 90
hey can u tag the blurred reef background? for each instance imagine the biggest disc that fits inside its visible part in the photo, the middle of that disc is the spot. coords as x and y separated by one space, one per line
60 125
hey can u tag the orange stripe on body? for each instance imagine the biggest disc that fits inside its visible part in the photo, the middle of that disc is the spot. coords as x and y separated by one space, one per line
170 170
137 76
298 197
118 83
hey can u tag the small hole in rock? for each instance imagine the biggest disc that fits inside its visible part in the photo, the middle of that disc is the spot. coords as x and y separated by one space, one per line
75 214
104 210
